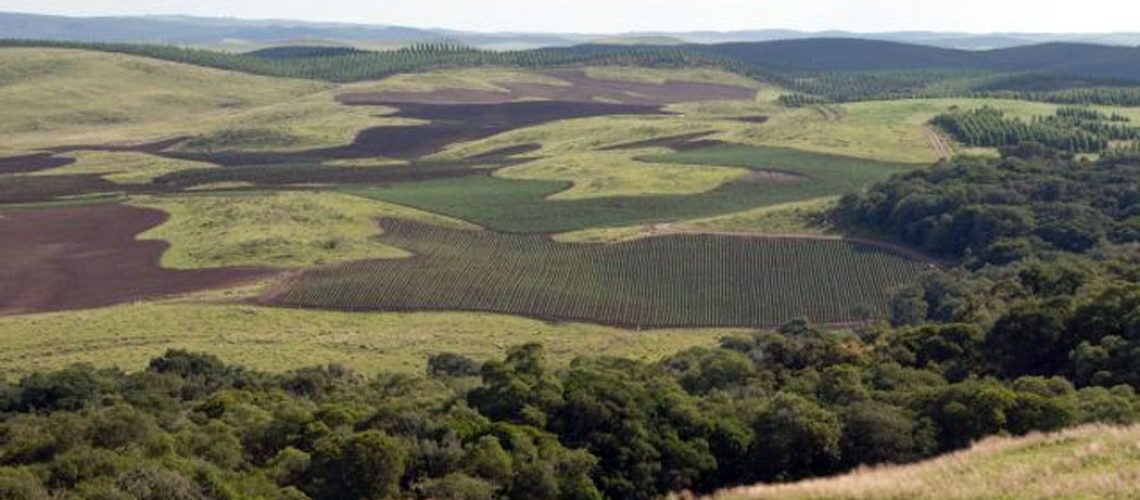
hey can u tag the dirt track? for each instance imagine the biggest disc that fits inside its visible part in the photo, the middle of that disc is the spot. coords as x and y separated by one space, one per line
84 257
941 148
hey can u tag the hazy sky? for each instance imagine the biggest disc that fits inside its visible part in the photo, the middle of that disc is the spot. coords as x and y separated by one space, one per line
607 16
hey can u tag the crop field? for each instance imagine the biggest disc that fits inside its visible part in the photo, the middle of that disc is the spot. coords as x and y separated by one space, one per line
87 256
683 280
798 218
528 206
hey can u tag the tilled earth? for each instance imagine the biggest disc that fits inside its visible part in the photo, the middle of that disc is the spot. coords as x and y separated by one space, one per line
84 257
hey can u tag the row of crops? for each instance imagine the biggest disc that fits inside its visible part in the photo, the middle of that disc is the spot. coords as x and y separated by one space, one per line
679 280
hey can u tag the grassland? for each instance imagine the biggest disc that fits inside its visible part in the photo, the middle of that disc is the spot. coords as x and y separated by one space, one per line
123 167
277 340
617 173
309 122
660 76
484 79
52 97
800 217
582 135
55 97
673 281
522 206
1086 462
882 130
284 229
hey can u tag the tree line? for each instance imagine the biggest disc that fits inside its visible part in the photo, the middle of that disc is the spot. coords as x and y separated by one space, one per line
349 65
1074 130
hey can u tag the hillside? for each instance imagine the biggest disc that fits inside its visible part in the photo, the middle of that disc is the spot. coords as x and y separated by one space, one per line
850 54
1085 462
57 97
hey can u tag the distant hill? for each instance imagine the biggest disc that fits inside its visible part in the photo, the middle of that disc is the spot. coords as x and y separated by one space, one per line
1088 462
249 35
847 54
214 32
640 40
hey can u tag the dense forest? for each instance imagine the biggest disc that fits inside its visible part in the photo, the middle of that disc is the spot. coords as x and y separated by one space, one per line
1038 328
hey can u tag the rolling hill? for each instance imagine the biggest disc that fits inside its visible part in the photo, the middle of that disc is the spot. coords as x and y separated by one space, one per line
850 54
238 34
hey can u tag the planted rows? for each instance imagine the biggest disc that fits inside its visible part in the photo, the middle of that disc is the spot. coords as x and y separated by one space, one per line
680 280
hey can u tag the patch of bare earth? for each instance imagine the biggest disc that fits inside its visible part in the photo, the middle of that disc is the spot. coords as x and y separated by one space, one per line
83 257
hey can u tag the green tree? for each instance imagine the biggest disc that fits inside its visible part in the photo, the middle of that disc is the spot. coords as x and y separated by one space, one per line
365 465
795 438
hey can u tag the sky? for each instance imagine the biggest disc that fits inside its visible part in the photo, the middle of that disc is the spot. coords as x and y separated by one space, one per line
614 16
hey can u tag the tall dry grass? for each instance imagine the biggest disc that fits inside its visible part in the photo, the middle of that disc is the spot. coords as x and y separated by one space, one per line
1093 461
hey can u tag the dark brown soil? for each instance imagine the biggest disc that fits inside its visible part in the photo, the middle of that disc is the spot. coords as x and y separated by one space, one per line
32 163
581 89
84 257
752 119
449 124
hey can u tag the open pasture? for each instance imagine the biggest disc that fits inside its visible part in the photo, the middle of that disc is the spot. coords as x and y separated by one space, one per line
682 280
594 85
277 339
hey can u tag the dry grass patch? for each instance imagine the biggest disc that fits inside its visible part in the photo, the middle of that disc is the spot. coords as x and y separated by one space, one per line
281 339
661 76
603 174
1086 462
313 121
284 229
50 97
583 135
483 79
123 167
788 218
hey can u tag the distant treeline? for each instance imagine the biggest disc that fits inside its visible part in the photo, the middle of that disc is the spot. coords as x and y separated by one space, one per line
358 65
342 64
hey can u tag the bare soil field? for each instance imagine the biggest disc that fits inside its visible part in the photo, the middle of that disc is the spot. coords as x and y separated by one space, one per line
582 88
32 163
450 123
83 257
